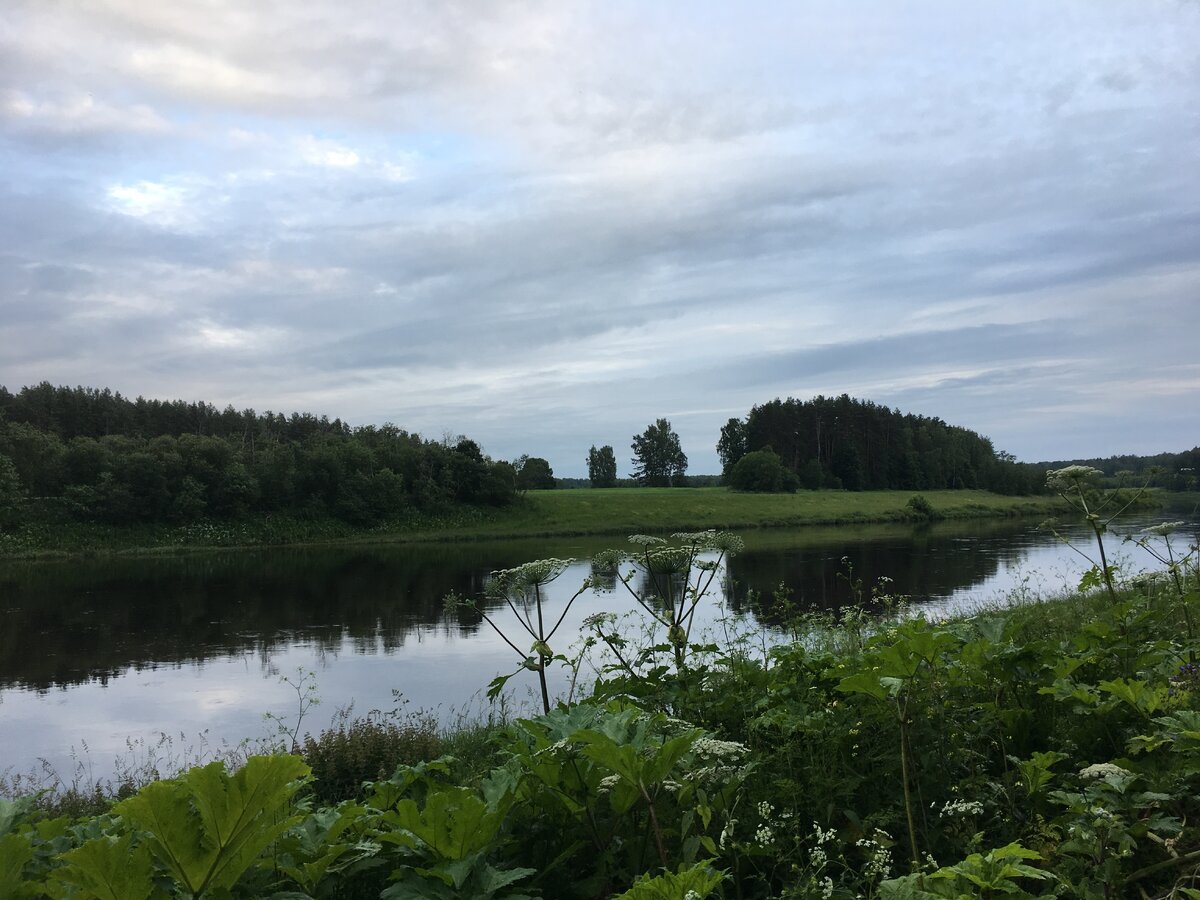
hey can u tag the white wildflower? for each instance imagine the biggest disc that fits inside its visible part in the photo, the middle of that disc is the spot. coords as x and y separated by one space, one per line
1164 529
727 833
1103 770
711 747
961 808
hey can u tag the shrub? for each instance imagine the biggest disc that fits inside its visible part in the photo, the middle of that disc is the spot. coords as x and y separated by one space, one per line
920 508
367 749
762 472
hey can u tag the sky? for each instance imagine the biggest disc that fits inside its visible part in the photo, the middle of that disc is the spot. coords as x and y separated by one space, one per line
545 225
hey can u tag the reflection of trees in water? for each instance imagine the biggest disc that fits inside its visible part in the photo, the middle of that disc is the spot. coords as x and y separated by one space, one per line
823 578
67 623
70 623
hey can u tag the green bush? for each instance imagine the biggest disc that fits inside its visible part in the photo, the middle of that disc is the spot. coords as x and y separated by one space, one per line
366 749
920 508
763 472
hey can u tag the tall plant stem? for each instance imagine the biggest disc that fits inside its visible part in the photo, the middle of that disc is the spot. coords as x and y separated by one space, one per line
541 636
658 838
904 777
1093 519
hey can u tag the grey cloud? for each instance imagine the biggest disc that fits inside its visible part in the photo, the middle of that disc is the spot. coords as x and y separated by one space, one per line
979 345
605 181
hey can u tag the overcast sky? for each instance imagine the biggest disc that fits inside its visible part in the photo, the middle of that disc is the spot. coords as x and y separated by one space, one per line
546 224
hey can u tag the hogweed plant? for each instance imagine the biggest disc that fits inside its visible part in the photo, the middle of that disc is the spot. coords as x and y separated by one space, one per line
1076 485
1183 570
522 590
677 578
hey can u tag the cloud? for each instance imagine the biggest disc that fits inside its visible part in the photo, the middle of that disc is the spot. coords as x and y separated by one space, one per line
76 114
546 225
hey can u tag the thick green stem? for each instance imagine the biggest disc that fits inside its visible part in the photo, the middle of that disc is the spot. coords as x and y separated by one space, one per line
904 777
658 838
542 681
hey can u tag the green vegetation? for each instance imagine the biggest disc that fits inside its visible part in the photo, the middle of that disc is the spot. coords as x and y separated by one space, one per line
1049 749
662 510
841 442
658 457
614 511
79 456
762 471
602 467
534 474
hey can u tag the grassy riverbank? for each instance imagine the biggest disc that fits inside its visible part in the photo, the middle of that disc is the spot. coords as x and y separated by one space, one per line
616 511
1048 749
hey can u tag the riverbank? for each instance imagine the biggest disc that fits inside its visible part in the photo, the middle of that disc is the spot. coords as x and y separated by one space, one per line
615 511
1047 748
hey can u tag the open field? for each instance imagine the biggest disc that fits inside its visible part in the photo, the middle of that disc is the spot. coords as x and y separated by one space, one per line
653 510
615 511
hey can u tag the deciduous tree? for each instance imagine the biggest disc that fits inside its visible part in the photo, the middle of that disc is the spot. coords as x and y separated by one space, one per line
659 460
534 473
602 467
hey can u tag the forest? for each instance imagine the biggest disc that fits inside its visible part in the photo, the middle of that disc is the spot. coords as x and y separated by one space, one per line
93 455
842 442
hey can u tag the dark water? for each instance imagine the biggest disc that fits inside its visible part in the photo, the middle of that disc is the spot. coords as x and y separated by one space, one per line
94 652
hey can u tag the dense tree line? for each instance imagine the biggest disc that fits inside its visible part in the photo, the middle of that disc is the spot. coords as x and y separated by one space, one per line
841 442
94 455
1169 471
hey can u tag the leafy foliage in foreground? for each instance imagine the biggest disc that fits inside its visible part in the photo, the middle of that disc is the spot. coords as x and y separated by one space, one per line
1052 749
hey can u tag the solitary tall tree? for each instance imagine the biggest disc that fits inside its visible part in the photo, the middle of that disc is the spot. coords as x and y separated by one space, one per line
659 460
732 445
602 467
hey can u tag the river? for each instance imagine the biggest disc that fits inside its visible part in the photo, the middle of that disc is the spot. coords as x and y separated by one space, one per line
104 659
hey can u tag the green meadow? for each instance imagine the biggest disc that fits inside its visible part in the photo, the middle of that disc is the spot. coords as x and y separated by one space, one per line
625 510
614 511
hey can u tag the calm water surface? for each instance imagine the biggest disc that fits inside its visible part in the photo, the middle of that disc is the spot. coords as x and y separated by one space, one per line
94 653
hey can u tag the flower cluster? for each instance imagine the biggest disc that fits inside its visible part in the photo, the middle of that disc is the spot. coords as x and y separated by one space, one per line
960 808
1103 770
723 758
879 857
503 582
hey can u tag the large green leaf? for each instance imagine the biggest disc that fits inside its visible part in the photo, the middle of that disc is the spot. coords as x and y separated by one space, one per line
13 811
15 851
455 822
108 869
863 683
696 881
207 827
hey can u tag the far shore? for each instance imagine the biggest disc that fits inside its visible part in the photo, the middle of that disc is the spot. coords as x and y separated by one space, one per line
537 514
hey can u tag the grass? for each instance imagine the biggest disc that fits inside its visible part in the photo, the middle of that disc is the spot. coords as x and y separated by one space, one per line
614 511
626 510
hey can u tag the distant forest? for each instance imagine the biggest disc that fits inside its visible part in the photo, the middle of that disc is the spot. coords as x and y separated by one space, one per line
83 454
93 455
841 442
